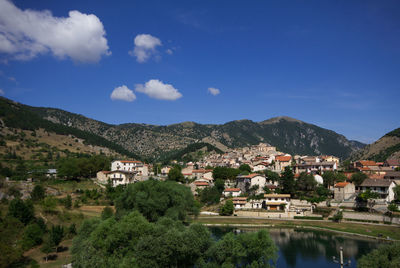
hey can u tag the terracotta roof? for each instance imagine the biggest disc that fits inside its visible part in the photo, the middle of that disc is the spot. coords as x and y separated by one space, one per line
364 168
232 190
201 183
105 172
341 184
282 158
250 176
368 163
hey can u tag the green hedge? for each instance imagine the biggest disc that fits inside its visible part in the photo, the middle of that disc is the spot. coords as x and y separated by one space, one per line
370 221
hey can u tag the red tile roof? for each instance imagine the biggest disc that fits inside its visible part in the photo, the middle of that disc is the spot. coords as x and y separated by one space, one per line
232 190
282 158
341 184
250 176
201 183
368 163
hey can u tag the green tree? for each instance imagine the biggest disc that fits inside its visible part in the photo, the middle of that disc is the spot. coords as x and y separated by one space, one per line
227 209
287 181
387 255
225 173
255 248
329 178
245 167
107 213
132 241
21 210
358 178
32 236
56 235
38 193
68 202
11 230
47 248
209 195
155 199
306 182
271 175
220 185
49 204
338 216
393 207
175 174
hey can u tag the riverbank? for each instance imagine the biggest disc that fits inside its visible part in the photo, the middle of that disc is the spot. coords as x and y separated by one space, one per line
376 231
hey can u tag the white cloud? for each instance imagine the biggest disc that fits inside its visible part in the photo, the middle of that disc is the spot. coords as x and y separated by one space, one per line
214 91
158 90
145 47
169 51
2 92
24 34
123 93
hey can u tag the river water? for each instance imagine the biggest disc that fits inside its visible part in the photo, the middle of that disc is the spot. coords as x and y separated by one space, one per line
306 248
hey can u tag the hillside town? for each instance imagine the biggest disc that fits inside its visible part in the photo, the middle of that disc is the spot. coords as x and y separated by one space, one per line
257 190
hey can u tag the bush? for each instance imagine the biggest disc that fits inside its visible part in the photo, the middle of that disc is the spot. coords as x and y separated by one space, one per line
387 255
32 236
227 209
107 213
338 216
156 199
21 210
38 193
49 204
393 207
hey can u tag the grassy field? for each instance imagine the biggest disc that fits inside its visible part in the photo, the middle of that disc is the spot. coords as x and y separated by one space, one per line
356 228
69 187
63 257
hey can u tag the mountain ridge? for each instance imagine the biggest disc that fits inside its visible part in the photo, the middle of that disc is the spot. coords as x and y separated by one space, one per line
152 141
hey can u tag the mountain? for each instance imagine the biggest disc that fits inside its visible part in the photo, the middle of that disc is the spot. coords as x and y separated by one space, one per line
153 142
386 147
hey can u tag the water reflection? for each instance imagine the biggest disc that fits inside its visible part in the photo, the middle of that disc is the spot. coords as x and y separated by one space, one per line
302 248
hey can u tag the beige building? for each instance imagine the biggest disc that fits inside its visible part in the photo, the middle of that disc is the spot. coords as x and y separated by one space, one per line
344 191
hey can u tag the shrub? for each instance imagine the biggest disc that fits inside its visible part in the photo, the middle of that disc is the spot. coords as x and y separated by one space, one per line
227 209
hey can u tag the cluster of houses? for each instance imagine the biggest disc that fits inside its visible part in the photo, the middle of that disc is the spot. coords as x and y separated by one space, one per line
382 177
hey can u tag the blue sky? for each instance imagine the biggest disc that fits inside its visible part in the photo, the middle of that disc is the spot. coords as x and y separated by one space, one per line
335 64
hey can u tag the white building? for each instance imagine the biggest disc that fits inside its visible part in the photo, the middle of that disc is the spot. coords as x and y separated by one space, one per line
234 192
132 166
121 177
245 182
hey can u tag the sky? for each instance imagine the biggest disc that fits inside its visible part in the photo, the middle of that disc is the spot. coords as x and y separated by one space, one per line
335 64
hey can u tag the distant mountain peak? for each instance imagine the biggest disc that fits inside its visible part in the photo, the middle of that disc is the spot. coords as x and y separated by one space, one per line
277 119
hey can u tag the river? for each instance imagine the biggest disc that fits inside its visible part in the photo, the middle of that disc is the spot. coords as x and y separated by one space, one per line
309 248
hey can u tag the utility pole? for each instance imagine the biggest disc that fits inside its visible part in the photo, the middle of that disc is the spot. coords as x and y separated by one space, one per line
340 261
